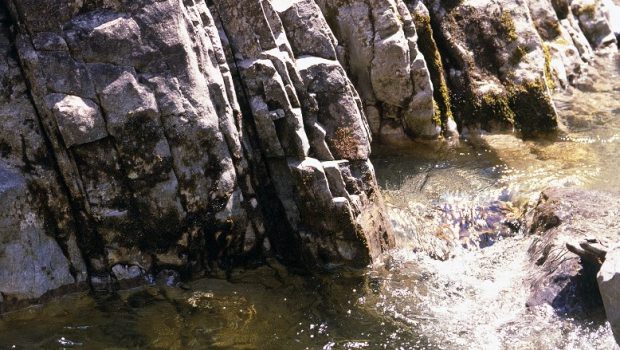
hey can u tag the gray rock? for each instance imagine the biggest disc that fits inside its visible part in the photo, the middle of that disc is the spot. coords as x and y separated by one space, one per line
593 19
562 219
609 286
306 111
496 66
380 52
79 120
39 255
183 135
32 262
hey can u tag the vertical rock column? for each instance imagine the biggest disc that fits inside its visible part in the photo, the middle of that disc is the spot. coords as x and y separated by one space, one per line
563 62
377 43
145 131
311 130
39 255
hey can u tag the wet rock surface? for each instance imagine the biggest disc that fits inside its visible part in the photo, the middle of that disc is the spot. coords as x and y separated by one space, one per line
573 229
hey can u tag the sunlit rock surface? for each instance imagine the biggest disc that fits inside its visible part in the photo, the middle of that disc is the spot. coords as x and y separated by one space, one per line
609 285
147 136
562 220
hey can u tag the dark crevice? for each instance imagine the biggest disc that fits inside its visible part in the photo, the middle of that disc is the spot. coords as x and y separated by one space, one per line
282 237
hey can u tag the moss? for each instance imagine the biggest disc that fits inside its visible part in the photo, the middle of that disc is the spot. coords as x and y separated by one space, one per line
517 55
430 51
494 107
548 72
527 107
508 26
437 115
533 108
588 10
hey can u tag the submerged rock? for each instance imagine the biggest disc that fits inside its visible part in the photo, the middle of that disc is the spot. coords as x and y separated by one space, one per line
563 275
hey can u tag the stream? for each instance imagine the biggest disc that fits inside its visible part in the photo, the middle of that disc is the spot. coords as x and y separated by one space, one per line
455 282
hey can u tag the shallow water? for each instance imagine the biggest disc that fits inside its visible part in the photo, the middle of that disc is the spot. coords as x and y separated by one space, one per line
446 200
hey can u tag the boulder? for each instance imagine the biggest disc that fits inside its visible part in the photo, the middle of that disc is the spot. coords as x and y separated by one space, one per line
573 228
496 65
609 286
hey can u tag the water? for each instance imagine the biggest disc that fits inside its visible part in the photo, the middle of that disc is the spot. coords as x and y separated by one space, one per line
445 201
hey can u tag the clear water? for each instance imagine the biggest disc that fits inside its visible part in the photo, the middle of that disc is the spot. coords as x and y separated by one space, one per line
446 200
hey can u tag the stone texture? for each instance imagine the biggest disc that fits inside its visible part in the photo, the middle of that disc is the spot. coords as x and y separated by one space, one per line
167 134
609 286
79 120
305 111
496 64
196 136
39 253
378 46
562 218
594 19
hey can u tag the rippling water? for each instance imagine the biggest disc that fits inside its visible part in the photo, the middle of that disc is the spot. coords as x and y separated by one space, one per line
456 282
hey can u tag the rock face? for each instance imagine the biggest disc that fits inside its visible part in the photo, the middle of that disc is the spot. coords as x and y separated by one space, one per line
378 45
609 286
38 232
503 57
147 136
138 148
561 220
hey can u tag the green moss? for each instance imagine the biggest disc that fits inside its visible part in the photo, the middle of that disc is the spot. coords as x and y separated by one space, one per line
437 115
430 51
547 71
527 107
508 26
533 108
493 107
517 55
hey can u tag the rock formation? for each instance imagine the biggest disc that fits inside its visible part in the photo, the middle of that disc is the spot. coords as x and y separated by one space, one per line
573 228
141 136
609 285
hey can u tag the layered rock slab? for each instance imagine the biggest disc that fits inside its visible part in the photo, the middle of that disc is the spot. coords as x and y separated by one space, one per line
377 44
496 65
562 219
39 251
152 159
311 126
608 279
171 134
